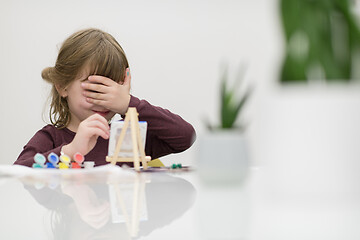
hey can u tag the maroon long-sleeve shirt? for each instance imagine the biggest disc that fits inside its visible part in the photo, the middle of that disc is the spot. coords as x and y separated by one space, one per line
166 133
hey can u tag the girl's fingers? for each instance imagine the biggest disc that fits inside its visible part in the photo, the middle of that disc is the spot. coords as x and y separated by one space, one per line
94 87
97 125
97 117
96 101
110 95
101 80
103 128
98 132
97 120
94 95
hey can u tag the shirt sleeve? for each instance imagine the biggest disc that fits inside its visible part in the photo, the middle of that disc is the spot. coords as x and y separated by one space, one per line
41 142
166 132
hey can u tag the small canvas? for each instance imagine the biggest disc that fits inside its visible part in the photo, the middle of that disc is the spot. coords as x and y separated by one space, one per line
127 146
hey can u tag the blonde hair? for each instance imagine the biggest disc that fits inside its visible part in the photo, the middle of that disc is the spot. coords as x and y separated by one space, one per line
91 48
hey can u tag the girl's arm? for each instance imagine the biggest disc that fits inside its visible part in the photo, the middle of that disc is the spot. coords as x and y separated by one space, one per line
42 142
49 139
167 132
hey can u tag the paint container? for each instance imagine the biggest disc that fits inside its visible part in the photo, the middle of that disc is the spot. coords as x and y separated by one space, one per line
89 164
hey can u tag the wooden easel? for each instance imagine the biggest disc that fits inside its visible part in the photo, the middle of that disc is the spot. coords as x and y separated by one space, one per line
138 149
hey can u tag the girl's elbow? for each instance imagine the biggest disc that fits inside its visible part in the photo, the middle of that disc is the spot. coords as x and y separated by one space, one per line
189 137
192 136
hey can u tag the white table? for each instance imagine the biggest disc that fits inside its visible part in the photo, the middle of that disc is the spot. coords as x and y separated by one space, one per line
168 206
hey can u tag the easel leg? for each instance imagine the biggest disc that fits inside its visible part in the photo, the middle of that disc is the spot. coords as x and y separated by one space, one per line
134 141
121 139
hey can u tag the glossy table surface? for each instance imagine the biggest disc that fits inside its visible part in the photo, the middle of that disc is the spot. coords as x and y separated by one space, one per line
112 203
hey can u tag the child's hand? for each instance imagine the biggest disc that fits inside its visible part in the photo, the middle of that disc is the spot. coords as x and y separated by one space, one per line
86 136
107 93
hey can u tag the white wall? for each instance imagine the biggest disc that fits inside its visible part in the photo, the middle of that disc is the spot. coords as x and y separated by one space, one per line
175 50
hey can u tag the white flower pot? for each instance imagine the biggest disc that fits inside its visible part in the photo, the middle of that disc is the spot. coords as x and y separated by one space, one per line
222 157
310 139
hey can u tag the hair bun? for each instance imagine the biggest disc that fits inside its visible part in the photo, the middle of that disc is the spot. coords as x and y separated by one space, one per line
46 74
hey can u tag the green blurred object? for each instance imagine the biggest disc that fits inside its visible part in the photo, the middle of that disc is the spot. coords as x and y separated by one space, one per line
231 102
222 150
175 166
322 41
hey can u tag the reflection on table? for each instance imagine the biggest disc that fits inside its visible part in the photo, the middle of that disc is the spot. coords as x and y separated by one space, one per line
122 204
118 208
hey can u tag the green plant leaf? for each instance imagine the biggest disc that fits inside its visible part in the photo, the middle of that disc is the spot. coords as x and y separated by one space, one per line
230 106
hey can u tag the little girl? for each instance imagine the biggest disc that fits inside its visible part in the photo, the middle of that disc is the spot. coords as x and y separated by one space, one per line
91 83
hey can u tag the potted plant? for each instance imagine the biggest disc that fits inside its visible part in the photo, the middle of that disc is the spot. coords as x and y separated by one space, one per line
322 41
310 118
223 154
